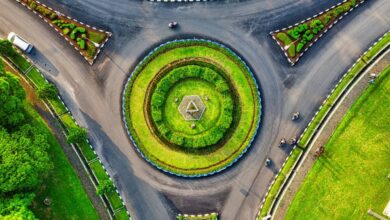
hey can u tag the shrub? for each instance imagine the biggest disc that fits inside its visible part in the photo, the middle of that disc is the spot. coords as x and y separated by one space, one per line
158 99
284 38
49 91
76 31
53 16
300 46
81 43
76 135
104 187
66 31
33 5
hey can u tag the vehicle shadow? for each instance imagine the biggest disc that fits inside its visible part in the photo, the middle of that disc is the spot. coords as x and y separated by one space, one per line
41 61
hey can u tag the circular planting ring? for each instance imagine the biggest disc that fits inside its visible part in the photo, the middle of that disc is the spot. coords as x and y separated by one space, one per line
191 107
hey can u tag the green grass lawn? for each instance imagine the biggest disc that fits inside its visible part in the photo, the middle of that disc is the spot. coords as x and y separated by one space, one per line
202 88
180 161
62 186
351 177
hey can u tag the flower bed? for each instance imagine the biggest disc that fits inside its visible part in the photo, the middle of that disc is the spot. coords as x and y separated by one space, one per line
296 39
84 38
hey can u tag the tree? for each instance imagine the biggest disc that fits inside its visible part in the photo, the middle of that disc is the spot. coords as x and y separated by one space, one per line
24 158
49 91
2 71
105 186
16 207
6 48
11 101
77 135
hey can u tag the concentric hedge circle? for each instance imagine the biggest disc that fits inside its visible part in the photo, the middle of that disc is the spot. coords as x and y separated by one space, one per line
177 69
211 130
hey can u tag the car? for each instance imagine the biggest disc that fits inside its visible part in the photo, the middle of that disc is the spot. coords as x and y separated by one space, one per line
20 42
295 116
172 24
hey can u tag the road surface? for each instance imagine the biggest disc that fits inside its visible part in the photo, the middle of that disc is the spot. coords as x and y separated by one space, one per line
93 94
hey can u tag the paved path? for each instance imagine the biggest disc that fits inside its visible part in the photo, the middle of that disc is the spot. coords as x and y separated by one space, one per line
93 93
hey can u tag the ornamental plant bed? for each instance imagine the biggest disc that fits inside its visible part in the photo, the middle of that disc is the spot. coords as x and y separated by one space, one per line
84 38
296 39
186 147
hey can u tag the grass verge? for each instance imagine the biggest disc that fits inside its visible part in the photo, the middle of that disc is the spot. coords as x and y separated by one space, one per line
351 177
60 110
62 184
323 111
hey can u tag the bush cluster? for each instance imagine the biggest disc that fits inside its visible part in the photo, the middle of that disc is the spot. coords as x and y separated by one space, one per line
76 33
304 33
161 92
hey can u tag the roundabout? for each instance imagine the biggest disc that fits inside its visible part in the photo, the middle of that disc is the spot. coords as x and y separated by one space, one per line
191 107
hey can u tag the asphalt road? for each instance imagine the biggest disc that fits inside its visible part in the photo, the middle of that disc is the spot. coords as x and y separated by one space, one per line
93 94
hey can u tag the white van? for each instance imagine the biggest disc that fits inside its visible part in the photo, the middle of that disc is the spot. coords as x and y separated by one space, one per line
20 42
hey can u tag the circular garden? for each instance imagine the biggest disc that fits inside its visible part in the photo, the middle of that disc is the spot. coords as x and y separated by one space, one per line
191 107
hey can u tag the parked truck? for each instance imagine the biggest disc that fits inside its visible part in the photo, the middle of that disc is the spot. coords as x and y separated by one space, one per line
20 42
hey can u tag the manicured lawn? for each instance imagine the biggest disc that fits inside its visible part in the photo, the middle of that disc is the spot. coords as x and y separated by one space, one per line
122 214
114 199
36 78
351 177
97 168
68 121
62 186
179 161
192 87
87 151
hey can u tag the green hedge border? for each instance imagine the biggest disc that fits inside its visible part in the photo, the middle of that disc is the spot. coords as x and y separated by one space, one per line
176 75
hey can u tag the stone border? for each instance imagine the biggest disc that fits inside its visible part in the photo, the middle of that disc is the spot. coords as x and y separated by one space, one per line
304 151
273 33
144 60
86 167
88 26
